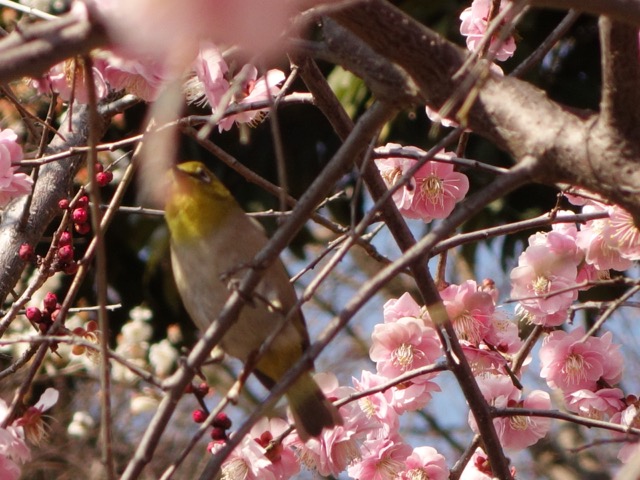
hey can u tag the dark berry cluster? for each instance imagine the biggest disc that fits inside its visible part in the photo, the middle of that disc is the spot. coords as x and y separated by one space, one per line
44 318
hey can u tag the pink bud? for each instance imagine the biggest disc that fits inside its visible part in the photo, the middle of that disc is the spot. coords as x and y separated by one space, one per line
50 301
80 215
199 416
26 252
33 314
65 253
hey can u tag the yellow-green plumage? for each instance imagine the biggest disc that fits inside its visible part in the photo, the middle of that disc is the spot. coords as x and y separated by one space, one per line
212 238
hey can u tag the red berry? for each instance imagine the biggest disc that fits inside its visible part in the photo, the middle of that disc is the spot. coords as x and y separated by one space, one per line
65 253
218 434
33 314
97 167
65 238
80 215
199 416
26 252
50 301
189 388
222 420
203 389
70 268
82 202
104 178
82 228
63 204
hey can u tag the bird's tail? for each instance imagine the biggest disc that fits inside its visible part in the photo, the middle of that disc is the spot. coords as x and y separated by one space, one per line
312 411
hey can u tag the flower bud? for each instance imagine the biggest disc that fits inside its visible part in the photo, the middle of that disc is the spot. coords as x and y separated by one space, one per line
65 253
82 228
82 202
80 215
50 301
65 238
199 416
33 314
104 178
222 420
26 252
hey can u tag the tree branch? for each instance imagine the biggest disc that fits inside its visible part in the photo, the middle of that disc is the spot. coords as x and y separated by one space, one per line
31 50
620 78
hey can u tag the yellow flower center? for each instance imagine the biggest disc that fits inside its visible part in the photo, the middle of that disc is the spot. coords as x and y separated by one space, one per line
541 285
416 474
404 355
467 328
433 189
575 368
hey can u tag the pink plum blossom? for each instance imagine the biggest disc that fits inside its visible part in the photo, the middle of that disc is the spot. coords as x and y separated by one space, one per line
377 405
402 346
474 25
392 169
253 90
258 457
482 360
13 447
432 192
411 396
382 459
405 306
630 418
470 310
142 79
12 184
503 334
542 283
69 80
600 404
570 364
515 432
478 467
425 462
612 242
247 461
437 190
210 83
31 421
336 448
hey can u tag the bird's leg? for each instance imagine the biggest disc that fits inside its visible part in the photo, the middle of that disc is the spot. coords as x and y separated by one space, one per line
234 391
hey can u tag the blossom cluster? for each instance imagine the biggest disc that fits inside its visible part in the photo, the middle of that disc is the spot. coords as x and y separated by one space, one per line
406 349
211 81
431 192
474 25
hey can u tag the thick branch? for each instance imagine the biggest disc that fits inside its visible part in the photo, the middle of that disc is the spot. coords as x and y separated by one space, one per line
513 114
620 77
31 50
627 11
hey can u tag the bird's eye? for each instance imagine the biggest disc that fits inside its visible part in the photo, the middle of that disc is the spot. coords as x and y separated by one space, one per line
202 175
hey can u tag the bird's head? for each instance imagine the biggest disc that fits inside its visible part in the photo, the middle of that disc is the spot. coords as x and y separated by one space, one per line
196 200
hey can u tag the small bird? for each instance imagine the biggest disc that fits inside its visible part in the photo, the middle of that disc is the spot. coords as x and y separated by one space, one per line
212 240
